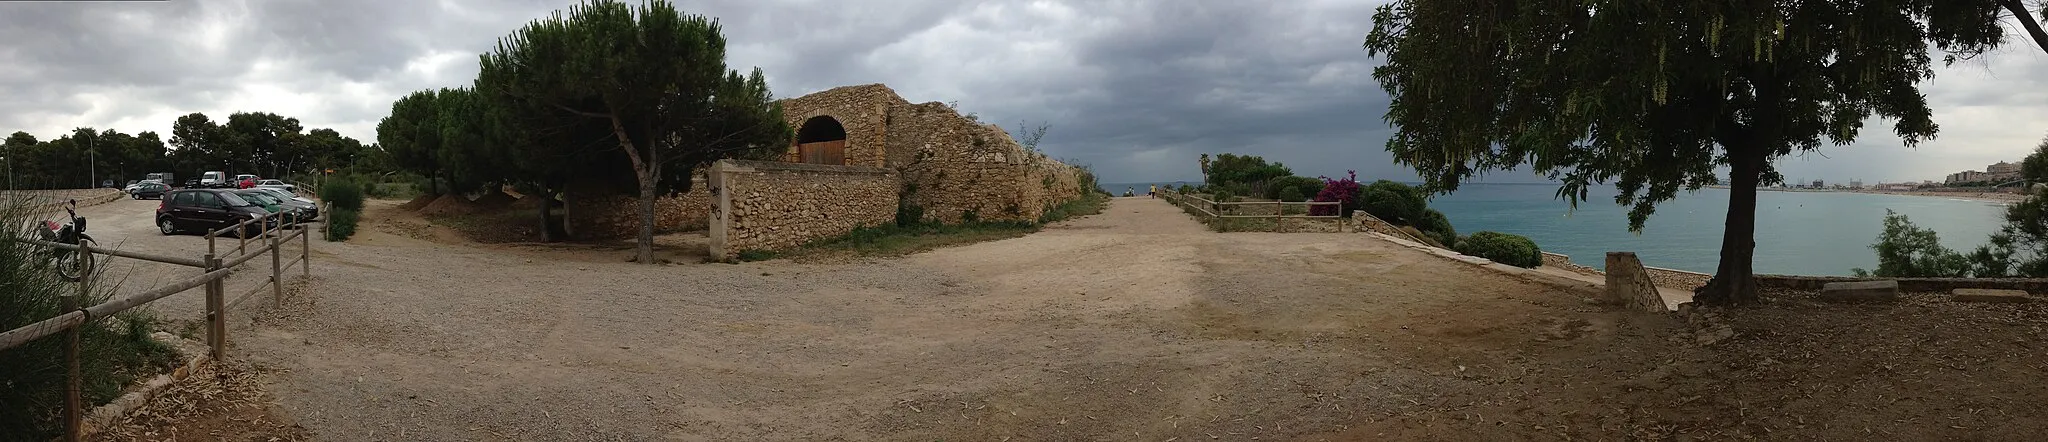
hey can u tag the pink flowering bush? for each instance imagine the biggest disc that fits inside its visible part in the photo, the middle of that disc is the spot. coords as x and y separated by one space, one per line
1344 191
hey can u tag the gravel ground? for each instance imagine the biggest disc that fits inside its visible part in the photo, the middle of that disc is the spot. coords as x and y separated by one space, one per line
1136 324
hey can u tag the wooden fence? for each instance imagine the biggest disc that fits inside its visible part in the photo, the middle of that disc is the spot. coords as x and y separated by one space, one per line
266 233
1220 210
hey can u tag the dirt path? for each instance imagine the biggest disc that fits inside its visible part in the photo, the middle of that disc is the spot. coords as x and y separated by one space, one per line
1132 324
1136 324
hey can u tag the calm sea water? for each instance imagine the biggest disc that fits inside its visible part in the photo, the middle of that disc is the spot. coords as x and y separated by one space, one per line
1803 233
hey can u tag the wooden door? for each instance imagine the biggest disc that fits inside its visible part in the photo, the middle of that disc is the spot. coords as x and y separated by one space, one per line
823 152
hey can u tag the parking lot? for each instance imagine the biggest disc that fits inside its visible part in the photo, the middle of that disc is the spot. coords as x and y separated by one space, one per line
128 224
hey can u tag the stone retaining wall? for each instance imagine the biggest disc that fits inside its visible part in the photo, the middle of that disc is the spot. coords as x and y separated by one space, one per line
593 214
775 206
1365 222
1791 282
1663 277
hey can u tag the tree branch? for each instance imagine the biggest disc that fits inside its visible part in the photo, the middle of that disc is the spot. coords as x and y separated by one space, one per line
2019 12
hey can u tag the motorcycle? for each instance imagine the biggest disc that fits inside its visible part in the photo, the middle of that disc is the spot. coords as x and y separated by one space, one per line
71 265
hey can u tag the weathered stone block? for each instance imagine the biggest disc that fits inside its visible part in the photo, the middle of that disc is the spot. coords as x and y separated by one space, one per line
1629 284
1861 291
1989 295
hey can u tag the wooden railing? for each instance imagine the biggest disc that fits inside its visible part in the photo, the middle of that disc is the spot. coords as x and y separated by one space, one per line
213 272
1214 209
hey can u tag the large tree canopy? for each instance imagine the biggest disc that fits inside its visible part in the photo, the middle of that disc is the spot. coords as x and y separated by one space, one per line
1655 96
654 76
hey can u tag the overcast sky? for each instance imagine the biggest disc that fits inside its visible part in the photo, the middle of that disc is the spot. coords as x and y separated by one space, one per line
1134 88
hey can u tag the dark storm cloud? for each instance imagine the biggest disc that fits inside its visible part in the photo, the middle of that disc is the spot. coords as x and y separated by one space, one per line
1135 88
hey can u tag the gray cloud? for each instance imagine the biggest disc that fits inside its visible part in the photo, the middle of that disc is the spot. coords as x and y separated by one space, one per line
1135 88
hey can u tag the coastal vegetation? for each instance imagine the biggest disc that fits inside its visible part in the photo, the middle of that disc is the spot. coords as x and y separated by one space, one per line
2018 249
1709 85
1227 177
1510 249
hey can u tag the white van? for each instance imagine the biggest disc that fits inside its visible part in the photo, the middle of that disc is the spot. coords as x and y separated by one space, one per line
213 179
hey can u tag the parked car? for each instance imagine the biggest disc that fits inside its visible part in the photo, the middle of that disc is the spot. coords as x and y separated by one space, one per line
147 189
204 210
108 184
302 209
130 186
277 184
191 183
288 195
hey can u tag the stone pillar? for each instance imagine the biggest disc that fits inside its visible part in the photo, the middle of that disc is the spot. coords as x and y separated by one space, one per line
720 181
1629 284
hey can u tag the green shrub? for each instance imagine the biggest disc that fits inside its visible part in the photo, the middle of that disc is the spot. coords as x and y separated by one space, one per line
343 194
908 213
1394 202
341 223
1504 248
1906 250
1224 196
1438 227
1187 188
1293 188
32 376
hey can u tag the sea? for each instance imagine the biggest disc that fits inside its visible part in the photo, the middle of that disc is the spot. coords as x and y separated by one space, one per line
1799 233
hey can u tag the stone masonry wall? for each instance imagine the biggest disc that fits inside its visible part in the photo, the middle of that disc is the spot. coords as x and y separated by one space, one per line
953 166
862 110
595 215
775 206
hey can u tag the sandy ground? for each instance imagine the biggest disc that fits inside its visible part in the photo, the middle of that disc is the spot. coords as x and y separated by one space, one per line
1136 324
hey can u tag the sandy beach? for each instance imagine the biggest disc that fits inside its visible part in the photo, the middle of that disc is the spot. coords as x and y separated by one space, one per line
1981 196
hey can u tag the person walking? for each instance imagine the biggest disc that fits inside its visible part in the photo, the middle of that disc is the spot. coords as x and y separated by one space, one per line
1153 193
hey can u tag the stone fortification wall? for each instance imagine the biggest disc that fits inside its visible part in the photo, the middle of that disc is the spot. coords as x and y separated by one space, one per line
956 168
774 206
599 215
862 110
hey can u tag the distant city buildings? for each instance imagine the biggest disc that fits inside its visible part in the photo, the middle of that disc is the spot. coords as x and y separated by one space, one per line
1992 175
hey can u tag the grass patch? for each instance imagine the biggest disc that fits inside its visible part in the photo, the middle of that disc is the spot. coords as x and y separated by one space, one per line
392 191
905 240
1090 203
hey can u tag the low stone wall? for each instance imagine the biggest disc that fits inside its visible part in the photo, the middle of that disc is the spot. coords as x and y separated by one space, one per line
1663 277
1565 262
1365 222
1791 282
1678 279
774 206
599 215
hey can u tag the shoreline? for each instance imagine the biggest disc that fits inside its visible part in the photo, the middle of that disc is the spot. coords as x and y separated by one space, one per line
1997 197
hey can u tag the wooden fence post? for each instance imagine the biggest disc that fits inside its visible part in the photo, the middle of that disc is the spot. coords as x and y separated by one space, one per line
306 251
74 380
276 274
216 312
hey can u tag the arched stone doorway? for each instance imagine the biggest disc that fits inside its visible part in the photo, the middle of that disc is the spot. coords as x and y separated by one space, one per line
821 140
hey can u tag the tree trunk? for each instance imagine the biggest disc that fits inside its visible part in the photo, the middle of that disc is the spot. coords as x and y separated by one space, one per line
551 228
645 249
1735 279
